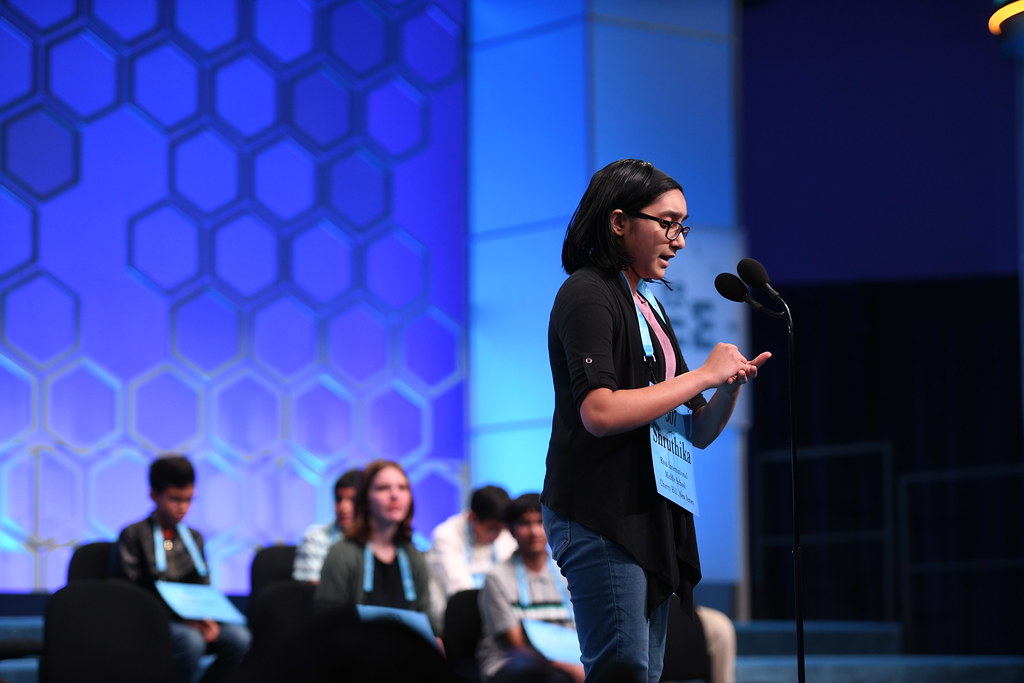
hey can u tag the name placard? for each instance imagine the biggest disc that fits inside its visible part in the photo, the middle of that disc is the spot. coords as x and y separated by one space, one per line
672 456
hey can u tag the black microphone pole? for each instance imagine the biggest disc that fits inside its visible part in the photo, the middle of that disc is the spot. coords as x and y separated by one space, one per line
798 598
754 274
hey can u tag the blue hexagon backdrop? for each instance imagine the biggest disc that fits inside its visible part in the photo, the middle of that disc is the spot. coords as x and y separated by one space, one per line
235 230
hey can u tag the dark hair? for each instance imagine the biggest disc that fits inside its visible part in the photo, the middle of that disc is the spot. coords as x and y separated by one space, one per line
348 480
171 470
528 502
627 184
489 502
360 531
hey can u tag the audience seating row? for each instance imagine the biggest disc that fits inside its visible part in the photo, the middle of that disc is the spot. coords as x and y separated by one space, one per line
686 656
89 621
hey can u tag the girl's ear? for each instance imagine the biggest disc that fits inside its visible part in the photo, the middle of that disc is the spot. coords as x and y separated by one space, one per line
618 221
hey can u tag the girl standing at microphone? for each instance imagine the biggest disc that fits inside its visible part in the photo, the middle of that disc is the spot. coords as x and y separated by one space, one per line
616 366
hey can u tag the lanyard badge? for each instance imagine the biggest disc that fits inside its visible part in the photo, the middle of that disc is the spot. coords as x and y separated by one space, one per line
671 448
408 585
160 548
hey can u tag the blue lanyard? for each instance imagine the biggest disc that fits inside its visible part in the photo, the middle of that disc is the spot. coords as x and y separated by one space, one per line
333 533
403 567
645 334
190 544
478 577
524 589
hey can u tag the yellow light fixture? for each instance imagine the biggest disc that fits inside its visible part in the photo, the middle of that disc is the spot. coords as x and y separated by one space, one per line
995 22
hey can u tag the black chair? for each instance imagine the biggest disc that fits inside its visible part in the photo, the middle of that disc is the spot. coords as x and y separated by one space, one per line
334 645
463 629
271 563
88 561
278 611
91 561
686 649
106 630
292 641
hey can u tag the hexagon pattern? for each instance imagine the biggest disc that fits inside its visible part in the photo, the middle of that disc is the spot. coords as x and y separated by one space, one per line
23 302
166 84
43 15
396 252
18 223
300 333
322 261
206 331
83 73
128 20
284 337
209 25
206 170
16 388
320 105
365 50
359 188
432 47
397 116
40 152
245 95
16 56
285 27
285 179
82 407
166 410
325 425
164 246
246 253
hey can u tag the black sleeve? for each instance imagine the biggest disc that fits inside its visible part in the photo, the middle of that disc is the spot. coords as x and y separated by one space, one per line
584 320
128 560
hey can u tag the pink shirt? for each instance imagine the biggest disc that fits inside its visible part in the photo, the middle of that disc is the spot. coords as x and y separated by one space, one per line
666 345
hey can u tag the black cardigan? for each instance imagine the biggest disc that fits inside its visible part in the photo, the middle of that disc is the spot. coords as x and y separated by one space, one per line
607 483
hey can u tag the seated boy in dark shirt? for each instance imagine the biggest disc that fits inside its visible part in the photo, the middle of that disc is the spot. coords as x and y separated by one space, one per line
162 548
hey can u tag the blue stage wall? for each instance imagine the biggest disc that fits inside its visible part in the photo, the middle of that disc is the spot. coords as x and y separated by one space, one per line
283 235
558 91
233 229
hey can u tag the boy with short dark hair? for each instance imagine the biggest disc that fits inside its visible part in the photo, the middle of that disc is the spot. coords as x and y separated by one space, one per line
162 548
318 538
470 542
526 587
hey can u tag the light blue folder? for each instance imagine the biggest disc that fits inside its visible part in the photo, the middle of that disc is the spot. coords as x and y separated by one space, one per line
557 643
417 621
199 601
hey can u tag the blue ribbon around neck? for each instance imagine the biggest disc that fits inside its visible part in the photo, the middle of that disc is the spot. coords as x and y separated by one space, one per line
524 589
408 586
190 544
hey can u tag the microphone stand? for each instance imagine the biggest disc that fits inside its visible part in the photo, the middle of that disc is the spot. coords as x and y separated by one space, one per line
732 288
797 549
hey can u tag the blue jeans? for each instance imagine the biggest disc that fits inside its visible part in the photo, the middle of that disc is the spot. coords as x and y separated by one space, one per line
609 597
189 647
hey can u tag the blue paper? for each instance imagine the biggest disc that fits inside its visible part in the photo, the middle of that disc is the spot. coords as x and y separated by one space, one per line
199 601
417 621
557 643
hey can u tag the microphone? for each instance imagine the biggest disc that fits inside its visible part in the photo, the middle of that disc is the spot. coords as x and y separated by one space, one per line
733 289
754 274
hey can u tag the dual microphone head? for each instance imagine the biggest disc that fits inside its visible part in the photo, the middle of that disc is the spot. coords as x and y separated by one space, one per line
753 274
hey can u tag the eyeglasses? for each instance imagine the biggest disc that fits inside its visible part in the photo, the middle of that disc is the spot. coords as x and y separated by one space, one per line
673 229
